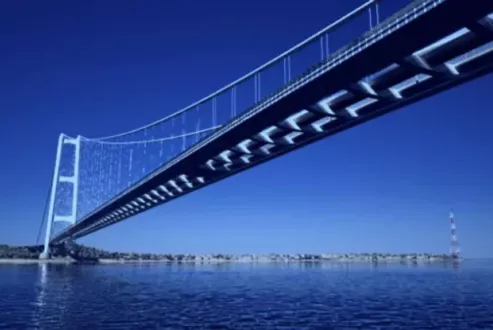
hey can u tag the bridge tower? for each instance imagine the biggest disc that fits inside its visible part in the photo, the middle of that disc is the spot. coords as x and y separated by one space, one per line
73 180
454 243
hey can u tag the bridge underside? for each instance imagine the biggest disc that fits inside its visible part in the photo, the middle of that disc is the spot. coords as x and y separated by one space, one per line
377 74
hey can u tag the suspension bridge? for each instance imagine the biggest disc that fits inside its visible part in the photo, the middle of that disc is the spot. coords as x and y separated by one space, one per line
303 95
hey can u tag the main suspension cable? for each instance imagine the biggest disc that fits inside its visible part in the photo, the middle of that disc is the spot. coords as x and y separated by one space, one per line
44 213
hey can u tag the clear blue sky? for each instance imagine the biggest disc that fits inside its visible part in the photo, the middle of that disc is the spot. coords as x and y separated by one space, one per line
100 67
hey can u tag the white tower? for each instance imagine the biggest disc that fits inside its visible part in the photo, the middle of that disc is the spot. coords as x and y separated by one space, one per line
454 243
63 140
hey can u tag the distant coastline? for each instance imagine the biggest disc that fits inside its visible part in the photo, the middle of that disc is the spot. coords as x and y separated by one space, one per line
83 254
17 261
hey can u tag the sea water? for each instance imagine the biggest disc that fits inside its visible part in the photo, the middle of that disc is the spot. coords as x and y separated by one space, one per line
247 296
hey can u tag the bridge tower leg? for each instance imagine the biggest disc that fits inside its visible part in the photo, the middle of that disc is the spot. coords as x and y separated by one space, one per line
57 178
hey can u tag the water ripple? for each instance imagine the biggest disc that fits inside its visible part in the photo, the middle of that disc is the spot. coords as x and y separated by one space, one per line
236 296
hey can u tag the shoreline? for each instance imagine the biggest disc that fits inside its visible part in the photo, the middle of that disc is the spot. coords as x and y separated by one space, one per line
80 254
105 261
18 261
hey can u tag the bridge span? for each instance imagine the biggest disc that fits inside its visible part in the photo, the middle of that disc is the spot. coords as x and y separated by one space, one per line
427 47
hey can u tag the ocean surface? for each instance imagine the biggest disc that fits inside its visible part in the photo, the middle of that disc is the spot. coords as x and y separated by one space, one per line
247 296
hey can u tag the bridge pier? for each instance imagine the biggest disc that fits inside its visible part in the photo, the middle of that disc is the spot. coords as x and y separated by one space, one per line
44 255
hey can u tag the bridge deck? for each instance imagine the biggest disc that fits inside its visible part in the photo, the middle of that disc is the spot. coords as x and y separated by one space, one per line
401 61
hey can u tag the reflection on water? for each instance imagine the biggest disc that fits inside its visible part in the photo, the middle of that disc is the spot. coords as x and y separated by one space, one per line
247 296
53 294
43 270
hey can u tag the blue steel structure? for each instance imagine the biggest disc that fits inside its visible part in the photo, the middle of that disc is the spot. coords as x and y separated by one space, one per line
425 48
